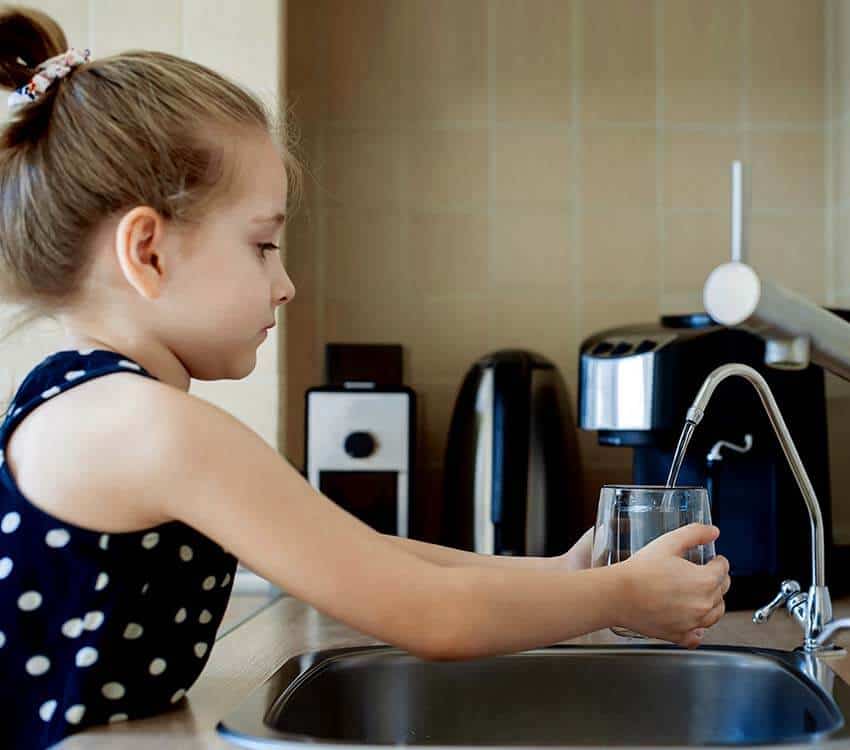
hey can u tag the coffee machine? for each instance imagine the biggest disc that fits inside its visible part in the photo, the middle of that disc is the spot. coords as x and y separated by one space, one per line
635 386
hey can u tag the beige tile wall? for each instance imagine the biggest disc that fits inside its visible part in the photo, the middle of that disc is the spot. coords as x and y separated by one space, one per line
837 185
525 172
244 46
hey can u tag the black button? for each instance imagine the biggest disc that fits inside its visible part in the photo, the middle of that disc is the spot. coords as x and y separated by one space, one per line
359 445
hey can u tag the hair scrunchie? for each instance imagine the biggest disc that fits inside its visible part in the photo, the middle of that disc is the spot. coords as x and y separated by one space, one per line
49 71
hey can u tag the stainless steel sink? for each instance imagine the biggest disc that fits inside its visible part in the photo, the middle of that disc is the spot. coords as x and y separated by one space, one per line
560 695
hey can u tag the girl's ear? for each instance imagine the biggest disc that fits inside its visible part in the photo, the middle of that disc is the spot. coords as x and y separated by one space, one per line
139 248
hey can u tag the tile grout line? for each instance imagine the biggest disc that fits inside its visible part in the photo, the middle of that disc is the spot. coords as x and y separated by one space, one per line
321 242
402 142
829 155
90 10
557 126
576 235
182 30
746 139
660 140
491 162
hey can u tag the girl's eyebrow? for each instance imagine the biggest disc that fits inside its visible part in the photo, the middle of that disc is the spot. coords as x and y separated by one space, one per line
276 219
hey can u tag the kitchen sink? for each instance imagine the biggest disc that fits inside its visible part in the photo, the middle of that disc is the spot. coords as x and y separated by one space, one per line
564 695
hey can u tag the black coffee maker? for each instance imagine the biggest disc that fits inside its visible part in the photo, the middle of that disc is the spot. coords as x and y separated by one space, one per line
636 384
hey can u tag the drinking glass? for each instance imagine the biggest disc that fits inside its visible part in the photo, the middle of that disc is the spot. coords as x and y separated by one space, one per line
631 516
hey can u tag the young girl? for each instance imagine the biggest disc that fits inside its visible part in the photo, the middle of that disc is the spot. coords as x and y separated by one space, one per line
141 197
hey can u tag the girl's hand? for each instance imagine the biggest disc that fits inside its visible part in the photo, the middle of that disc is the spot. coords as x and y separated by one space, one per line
668 596
578 556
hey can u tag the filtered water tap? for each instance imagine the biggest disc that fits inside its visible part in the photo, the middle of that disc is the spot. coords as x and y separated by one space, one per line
813 610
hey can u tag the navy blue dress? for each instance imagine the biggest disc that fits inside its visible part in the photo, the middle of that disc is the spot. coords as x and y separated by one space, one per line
96 627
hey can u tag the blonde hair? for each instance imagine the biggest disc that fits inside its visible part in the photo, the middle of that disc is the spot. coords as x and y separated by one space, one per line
137 128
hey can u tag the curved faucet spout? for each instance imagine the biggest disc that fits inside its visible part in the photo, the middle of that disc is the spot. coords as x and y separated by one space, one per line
695 414
818 606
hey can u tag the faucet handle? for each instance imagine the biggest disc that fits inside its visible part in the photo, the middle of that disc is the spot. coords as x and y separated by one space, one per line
788 589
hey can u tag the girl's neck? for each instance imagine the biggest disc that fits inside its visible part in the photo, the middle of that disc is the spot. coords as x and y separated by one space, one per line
164 366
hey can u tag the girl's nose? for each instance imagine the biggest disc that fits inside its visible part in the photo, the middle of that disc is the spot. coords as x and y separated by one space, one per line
284 289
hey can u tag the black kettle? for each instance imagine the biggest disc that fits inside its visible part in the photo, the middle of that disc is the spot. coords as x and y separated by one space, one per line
512 481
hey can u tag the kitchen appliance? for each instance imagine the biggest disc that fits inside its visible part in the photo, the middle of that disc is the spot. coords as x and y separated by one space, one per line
635 386
360 429
512 479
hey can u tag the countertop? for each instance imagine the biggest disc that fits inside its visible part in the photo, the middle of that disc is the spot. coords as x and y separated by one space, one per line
245 656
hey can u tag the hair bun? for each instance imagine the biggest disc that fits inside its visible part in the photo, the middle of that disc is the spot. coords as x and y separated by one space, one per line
27 38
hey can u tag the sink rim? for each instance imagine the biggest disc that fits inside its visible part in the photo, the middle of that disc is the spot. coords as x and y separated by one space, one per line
254 709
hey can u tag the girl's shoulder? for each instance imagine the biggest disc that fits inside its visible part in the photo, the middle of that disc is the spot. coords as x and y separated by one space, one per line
74 454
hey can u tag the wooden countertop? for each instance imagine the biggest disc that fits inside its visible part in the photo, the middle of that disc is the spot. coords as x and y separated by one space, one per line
247 655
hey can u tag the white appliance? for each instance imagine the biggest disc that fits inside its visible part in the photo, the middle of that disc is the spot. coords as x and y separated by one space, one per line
360 449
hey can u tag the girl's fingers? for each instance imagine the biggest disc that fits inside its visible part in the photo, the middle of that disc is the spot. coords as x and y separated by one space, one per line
716 613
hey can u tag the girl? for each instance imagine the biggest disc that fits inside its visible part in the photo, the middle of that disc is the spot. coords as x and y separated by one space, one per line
141 197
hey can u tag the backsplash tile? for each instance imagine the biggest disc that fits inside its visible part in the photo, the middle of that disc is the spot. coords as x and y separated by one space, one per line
555 168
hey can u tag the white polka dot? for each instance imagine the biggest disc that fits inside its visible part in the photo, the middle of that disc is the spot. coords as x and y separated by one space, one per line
104 541
93 620
57 538
209 582
2 456
102 580
37 665
2 639
10 522
200 649
205 617
51 392
73 628
178 695
85 351
149 541
113 690
17 411
46 710
226 580
181 615
131 365
74 715
5 567
157 666
133 631
29 601
74 374
115 718
185 553
86 656
145 588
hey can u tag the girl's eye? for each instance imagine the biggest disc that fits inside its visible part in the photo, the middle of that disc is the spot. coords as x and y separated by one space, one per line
267 247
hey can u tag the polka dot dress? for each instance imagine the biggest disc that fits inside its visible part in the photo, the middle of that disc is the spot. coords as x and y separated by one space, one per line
96 627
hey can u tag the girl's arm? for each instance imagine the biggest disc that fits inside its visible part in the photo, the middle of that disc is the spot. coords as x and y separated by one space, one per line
576 558
194 462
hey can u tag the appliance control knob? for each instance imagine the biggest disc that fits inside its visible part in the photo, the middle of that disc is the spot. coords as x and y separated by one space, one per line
359 445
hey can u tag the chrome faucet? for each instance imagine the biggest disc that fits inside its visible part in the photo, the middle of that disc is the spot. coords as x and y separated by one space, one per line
813 610
796 332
